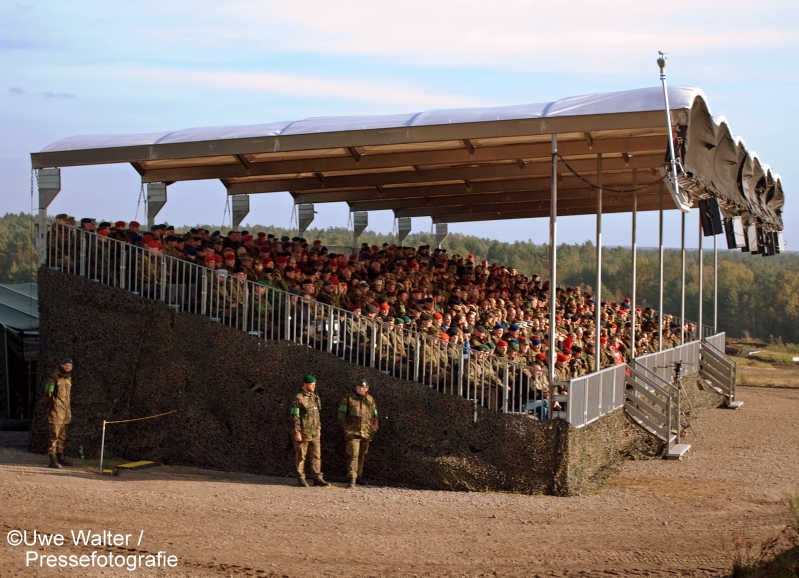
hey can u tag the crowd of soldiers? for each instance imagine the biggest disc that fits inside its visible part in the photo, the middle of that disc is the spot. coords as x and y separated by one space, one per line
436 314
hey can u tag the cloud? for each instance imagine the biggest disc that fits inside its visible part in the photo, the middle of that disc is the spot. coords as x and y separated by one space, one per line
16 90
48 94
570 35
313 87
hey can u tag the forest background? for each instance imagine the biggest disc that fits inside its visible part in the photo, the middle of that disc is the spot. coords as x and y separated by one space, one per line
757 296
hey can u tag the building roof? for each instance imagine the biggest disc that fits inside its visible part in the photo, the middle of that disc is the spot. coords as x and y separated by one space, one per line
470 164
19 305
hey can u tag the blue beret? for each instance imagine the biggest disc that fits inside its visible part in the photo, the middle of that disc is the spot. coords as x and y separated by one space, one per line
499 326
191 251
514 327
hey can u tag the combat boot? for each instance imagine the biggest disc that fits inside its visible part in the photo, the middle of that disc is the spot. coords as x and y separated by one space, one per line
320 482
302 483
54 463
362 482
351 484
62 460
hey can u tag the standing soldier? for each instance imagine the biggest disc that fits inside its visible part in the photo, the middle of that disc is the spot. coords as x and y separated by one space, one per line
357 414
59 412
307 432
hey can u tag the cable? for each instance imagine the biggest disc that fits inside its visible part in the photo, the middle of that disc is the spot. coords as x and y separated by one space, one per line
140 418
606 189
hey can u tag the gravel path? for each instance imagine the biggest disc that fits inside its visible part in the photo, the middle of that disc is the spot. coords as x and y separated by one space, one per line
657 518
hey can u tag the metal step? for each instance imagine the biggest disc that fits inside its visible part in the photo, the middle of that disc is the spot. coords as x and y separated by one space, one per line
733 404
677 451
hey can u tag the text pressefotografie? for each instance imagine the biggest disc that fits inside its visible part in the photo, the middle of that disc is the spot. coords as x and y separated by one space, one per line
87 538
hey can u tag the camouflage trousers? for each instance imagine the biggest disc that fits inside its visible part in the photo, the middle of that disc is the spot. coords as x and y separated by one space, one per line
357 448
58 437
312 450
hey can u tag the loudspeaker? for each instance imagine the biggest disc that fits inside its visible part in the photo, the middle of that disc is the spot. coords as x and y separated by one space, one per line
761 242
751 239
711 217
734 231
779 244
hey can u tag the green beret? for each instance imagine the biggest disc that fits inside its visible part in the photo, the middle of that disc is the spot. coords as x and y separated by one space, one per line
284 238
65 361
309 379
363 382
406 319
400 321
490 345
514 346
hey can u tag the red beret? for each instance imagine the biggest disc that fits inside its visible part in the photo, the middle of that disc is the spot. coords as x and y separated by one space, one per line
103 232
355 307
563 358
502 343
120 224
317 242
540 356
135 224
261 235
248 237
385 306
218 258
334 280
603 340
375 248
209 259
282 260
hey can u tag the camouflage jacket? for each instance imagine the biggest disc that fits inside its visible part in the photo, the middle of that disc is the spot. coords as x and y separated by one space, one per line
358 416
304 416
57 391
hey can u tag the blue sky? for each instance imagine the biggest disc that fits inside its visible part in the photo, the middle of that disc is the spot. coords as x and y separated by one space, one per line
84 67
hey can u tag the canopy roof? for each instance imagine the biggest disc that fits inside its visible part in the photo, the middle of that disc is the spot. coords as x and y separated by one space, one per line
19 305
460 165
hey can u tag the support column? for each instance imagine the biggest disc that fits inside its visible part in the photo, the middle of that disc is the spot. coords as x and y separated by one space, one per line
49 184
598 291
682 279
715 285
156 199
239 208
634 297
553 257
660 271
701 280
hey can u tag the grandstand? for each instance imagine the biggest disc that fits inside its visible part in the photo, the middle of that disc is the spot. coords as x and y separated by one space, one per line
454 166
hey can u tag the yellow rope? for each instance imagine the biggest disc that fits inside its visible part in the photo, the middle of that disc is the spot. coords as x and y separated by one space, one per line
140 418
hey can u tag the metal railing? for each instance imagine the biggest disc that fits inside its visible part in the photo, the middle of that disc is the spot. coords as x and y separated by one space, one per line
267 312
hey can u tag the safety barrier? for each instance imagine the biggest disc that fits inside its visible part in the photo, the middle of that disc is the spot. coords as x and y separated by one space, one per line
266 311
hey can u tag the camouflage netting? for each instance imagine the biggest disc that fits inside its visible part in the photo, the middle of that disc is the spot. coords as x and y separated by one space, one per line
135 357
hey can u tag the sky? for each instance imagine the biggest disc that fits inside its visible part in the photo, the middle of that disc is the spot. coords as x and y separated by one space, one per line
90 67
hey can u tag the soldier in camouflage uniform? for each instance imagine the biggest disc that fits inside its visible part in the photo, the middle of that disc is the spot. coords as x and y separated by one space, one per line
357 414
57 392
306 432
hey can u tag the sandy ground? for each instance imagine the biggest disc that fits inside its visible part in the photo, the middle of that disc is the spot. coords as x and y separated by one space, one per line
657 518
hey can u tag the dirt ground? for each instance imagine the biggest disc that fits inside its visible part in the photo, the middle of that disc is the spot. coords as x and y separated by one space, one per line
658 518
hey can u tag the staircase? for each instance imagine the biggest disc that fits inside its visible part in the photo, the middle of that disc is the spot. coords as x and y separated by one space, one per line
654 404
720 372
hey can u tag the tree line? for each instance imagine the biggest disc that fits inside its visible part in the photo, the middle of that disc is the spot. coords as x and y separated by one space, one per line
757 295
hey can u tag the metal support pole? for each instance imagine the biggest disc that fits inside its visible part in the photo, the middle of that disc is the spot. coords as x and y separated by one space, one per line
598 292
102 448
553 255
660 272
701 282
635 266
682 280
715 285
49 185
